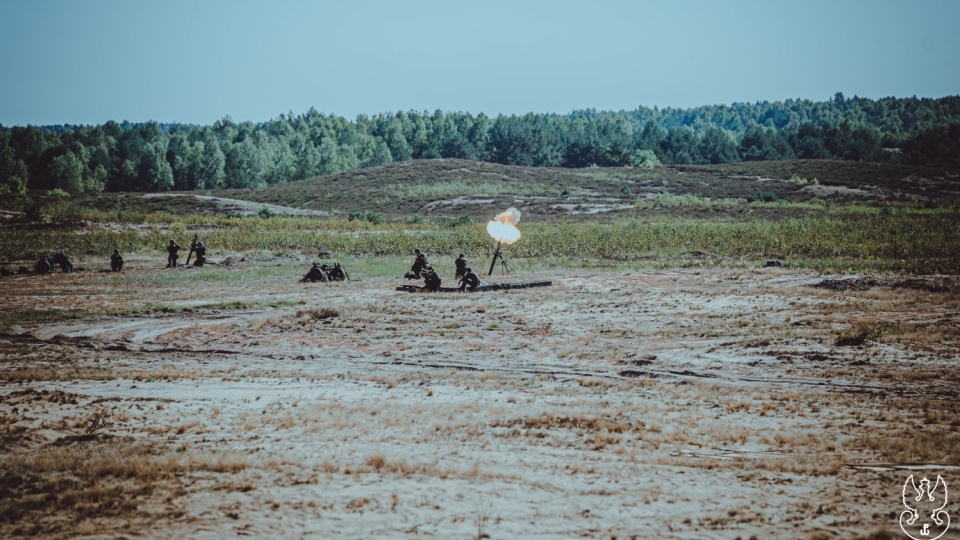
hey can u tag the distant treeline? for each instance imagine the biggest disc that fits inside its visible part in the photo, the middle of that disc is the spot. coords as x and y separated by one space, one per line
160 157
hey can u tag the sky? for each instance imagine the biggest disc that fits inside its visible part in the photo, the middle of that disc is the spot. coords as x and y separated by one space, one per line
197 61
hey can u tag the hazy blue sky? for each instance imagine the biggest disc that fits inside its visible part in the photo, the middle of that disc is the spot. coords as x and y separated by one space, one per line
197 61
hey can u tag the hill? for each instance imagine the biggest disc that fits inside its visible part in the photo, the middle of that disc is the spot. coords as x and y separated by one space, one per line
452 187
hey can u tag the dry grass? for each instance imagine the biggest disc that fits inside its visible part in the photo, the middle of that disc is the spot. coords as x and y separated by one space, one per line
57 488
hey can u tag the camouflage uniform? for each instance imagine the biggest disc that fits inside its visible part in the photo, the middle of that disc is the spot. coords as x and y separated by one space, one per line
42 266
315 274
470 281
63 261
337 273
461 263
201 251
116 261
431 280
173 251
419 265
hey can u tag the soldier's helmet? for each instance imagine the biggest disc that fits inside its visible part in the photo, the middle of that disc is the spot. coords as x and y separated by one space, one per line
200 244
172 242
417 251
462 255
336 265
116 251
469 269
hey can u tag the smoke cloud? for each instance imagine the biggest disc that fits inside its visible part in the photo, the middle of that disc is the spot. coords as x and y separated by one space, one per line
503 228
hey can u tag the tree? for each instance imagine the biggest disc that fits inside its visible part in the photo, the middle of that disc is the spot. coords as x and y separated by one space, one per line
154 172
66 173
210 173
680 146
717 147
760 143
13 171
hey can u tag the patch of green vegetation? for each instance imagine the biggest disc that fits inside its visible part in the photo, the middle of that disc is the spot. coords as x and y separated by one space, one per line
456 188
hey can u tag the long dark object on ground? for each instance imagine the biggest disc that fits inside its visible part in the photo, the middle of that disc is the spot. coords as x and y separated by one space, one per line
193 246
494 261
481 288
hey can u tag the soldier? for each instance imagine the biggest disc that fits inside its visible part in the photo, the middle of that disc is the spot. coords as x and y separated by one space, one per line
201 254
337 273
43 265
461 263
61 259
431 280
315 274
116 261
419 265
173 251
470 281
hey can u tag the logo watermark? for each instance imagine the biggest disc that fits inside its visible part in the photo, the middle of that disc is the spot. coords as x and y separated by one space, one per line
925 517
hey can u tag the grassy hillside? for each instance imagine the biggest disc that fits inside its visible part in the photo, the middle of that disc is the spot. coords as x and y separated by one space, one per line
823 214
455 187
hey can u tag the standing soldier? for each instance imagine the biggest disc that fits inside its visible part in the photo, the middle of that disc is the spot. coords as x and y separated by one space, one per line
201 251
173 251
116 261
461 263
470 281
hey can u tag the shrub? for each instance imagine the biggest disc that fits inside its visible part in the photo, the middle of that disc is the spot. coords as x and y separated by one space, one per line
460 221
370 217
763 196
265 213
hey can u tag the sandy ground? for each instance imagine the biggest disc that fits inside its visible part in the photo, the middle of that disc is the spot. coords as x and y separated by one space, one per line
695 403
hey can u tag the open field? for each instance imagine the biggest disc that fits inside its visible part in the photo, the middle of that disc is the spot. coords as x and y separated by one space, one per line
669 383
690 403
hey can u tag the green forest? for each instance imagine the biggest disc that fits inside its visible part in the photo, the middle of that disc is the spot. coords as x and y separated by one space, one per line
151 156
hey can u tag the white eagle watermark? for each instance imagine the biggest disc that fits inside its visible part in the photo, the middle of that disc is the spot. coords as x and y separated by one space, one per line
925 518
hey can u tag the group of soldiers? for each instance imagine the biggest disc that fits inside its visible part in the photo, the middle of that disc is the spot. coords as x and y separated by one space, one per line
325 272
45 264
421 269
173 253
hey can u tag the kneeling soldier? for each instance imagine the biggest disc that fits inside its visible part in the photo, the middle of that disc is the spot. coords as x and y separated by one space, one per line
470 281
337 273
315 274
432 280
